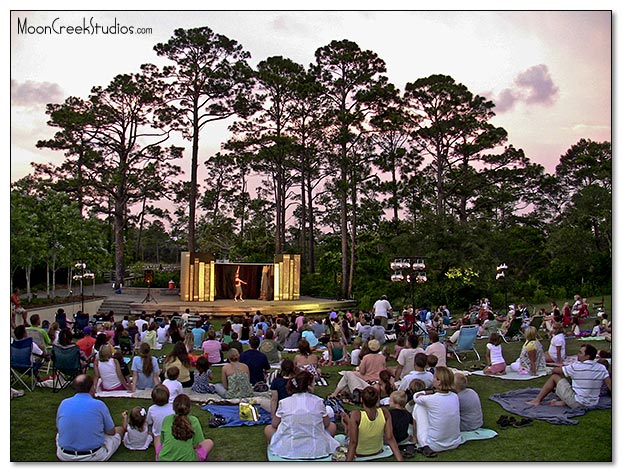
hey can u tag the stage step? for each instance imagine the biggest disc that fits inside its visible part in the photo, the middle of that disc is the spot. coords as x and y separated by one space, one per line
120 307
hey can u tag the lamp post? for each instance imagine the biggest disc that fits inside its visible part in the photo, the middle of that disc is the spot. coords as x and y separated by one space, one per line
81 275
414 267
501 268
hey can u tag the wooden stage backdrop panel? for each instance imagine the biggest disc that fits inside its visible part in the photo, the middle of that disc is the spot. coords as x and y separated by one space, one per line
204 279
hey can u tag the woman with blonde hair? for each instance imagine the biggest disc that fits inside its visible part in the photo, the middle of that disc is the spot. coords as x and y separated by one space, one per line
437 415
108 369
235 378
531 359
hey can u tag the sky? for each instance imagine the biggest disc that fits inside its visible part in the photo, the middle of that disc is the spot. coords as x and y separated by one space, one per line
548 72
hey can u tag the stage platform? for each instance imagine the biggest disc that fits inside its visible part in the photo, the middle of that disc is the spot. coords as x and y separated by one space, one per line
224 308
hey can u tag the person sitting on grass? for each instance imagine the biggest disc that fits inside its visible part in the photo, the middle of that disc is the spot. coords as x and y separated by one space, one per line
437 415
531 359
307 360
421 362
137 436
278 386
557 349
235 378
156 413
203 377
400 418
108 369
181 438
494 356
471 415
586 376
369 429
336 350
369 371
86 430
174 386
300 427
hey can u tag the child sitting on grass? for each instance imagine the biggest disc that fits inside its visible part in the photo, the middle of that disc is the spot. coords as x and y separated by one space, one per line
494 356
174 386
400 418
432 361
202 377
355 355
137 436
160 409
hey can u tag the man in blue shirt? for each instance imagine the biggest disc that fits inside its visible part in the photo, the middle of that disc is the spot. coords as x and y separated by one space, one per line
256 361
86 431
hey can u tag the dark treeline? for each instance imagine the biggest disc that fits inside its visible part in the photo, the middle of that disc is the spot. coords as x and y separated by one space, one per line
329 160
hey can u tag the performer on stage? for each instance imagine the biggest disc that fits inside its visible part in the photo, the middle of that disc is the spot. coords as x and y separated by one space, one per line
238 286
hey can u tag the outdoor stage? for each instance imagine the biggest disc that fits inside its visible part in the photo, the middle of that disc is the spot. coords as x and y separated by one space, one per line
227 307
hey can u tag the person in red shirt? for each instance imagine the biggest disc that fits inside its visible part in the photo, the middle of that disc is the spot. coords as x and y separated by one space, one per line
87 342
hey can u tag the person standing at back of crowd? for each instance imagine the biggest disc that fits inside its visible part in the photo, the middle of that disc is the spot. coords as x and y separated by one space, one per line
382 309
17 309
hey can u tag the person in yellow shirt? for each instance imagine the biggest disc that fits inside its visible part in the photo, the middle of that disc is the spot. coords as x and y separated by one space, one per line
368 430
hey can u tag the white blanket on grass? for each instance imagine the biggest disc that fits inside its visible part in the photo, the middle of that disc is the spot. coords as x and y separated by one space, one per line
511 375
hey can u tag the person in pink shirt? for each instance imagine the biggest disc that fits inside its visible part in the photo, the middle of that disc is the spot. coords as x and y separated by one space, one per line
372 364
212 348
437 348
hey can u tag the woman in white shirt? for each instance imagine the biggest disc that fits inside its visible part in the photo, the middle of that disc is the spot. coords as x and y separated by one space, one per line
107 369
301 428
557 349
437 415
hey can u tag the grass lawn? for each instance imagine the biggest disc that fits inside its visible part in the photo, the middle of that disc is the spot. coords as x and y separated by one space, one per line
33 425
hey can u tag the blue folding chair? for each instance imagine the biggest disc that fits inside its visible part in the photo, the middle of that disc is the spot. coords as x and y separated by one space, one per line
466 342
22 364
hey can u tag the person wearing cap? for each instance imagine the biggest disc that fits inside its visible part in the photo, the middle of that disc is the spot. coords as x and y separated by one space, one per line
368 372
87 342
382 309
86 430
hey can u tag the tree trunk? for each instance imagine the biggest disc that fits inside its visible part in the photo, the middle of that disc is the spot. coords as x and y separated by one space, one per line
47 279
192 198
311 216
119 243
303 221
28 269
344 232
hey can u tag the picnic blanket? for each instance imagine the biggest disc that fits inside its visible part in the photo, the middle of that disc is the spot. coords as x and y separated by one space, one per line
195 397
480 433
512 375
386 452
515 402
232 415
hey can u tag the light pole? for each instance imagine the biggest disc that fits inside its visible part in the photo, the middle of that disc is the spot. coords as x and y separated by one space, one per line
81 275
501 268
414 267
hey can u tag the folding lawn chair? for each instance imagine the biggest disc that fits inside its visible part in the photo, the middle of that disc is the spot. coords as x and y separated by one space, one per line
514 332
466 342
536 322
22 364
81 321
44 360
65 366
